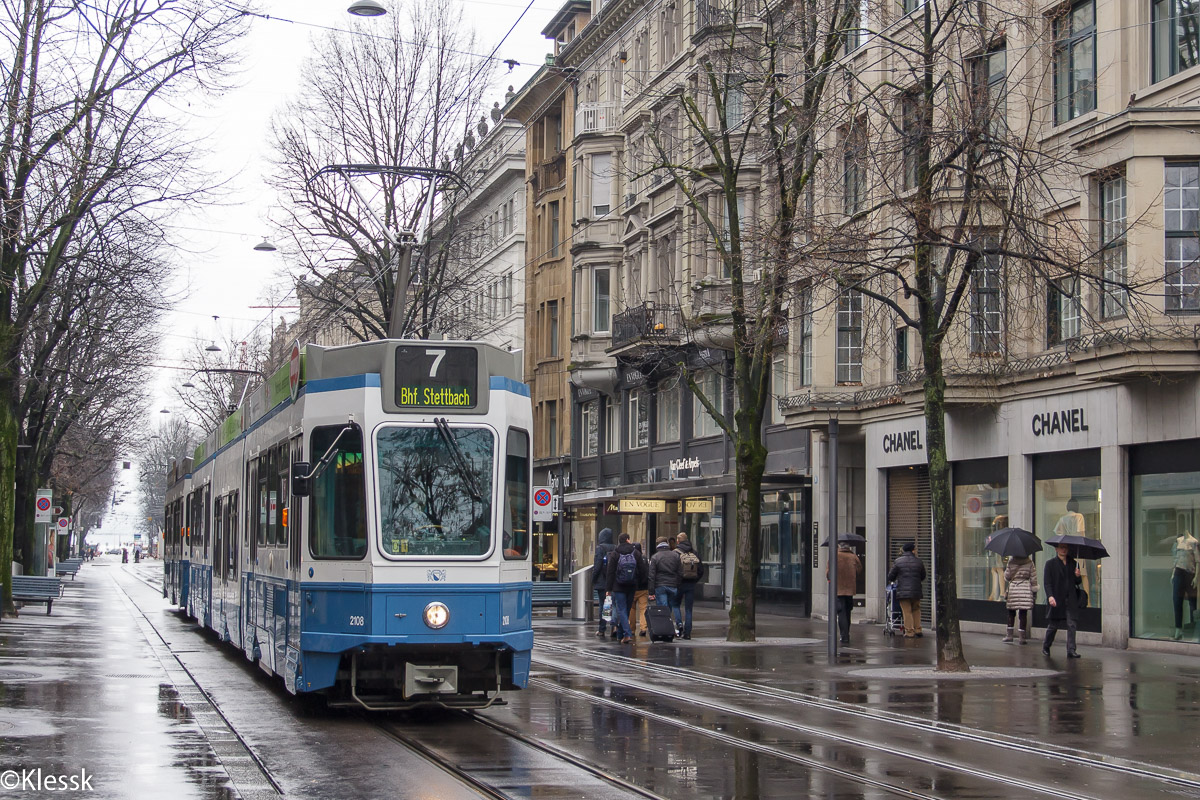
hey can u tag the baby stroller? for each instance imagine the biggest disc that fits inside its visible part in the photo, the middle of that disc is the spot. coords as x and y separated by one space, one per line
893 617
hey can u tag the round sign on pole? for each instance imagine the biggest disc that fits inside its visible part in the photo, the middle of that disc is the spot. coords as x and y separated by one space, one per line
63 522
43 504
542 497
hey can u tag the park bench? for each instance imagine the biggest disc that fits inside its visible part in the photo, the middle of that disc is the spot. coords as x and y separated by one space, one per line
551 593
36 589
69 566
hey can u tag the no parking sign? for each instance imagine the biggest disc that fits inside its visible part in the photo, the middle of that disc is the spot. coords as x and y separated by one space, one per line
542 501
63 524
45 499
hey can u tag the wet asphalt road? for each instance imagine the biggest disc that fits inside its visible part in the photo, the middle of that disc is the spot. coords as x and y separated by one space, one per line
121 684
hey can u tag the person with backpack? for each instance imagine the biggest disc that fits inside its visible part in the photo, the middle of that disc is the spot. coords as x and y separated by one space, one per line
600 574
665 576
691 572
626 566
641 598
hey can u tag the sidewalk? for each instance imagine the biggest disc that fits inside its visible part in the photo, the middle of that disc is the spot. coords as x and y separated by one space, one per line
1127 705
91 694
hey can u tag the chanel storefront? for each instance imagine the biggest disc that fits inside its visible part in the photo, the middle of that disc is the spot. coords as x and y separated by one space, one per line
1118 463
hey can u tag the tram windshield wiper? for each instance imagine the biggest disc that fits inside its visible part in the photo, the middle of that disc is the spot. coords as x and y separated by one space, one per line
460 460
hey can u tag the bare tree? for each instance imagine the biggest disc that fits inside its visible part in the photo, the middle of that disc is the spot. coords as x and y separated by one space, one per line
738 137
170 443
393 103
221 381
86 88
950 199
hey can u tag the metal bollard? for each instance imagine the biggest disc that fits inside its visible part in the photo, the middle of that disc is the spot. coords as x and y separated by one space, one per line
581 594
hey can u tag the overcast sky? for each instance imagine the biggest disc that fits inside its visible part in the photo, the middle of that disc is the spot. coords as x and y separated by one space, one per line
219 271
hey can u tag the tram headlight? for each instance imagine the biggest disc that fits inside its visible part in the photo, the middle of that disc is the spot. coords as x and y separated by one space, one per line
436 615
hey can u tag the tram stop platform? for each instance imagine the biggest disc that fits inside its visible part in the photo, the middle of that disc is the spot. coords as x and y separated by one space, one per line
94 692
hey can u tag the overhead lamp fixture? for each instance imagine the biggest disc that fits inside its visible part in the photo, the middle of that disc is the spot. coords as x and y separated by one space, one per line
212 348
165 411
188 384
265 247
366 8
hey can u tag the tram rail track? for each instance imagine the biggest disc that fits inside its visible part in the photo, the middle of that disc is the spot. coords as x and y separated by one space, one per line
1011 744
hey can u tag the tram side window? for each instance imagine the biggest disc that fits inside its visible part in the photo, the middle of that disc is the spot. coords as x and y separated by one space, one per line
232 533
218 560
207 520
516 495
293 504
262 470
278 493
337 524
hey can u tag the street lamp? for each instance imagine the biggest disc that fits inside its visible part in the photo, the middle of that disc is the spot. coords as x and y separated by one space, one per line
265 247
366 8
232 407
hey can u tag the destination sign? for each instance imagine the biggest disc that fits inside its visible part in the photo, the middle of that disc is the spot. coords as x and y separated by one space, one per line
437 376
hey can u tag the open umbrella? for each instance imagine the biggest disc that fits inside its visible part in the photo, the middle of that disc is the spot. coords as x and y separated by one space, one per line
1081 546
1013 542
846 538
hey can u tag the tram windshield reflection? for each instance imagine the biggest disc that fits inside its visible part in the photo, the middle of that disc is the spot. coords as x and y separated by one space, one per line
435 490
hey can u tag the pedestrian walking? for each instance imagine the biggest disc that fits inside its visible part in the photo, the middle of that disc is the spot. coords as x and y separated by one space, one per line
908 573
691 572
1020 576
1060 577
625 567
849 568
665 574
604 546
641 599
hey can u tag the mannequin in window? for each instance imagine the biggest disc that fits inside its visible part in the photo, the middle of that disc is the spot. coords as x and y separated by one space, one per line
1072 524
997 585
1184 558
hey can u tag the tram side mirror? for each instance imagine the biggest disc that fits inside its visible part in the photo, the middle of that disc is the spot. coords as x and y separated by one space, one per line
301 479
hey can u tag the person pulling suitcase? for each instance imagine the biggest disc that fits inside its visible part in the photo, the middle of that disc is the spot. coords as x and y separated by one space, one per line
666 572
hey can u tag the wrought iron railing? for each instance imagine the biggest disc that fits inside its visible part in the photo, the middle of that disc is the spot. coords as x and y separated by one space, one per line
653 322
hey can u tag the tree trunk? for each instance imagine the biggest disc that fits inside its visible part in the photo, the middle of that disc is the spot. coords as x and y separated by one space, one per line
23 512
8 475
950 657
751 462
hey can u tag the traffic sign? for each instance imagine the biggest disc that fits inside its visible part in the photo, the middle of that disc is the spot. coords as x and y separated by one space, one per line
542 500
45 499
64 523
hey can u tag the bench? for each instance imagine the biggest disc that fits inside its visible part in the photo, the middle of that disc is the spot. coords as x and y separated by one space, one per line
36 589
551 593
69 566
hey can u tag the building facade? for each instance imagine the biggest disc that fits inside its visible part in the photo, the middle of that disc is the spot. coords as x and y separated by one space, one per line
1072 389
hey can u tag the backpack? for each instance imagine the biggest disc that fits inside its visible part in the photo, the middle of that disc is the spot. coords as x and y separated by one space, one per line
690 565
627 568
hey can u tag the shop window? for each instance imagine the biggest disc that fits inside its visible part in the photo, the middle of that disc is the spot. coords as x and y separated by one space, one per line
706 530
980 509
782 539
1165 537
1069 504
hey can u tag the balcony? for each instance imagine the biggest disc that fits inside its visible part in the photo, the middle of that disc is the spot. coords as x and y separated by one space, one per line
649 322
596 118
550 173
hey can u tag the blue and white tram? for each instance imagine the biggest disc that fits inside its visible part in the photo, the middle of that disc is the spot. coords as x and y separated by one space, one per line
360 526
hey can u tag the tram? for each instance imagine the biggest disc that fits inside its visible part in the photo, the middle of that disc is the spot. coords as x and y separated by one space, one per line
360 526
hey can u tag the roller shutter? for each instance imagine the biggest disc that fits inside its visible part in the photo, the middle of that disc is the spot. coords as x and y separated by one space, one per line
909 519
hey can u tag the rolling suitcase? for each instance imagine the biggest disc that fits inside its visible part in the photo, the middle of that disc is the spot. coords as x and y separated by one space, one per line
661 623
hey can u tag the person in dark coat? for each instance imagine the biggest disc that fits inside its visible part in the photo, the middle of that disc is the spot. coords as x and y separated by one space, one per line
600 574
687 586
623 592
665 575
908 573
1060 578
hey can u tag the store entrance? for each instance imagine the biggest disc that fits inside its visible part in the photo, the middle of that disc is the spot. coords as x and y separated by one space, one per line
785 550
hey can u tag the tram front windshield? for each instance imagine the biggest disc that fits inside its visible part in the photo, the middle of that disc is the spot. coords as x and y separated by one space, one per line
435 490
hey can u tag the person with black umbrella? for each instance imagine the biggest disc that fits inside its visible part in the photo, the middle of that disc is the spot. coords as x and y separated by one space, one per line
1020 576
1060 577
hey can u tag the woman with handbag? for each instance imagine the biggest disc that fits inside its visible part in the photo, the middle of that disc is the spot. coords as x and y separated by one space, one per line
1021 576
